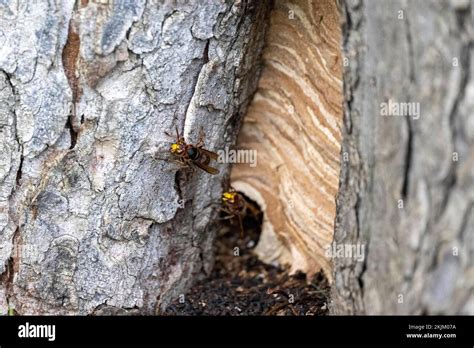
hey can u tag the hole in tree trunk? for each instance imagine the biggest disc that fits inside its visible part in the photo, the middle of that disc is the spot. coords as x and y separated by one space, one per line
241 284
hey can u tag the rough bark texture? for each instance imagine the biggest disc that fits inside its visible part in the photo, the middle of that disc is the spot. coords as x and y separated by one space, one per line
93 219
403 195
294 124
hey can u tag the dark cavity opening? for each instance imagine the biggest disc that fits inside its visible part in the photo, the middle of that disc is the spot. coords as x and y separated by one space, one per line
241 284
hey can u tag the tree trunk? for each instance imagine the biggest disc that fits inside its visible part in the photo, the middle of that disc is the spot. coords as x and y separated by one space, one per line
407 183
93 218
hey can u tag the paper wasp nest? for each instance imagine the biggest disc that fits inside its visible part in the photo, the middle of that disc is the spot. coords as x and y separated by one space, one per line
294 125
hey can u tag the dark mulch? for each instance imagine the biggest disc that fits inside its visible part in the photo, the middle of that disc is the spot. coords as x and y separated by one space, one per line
243 285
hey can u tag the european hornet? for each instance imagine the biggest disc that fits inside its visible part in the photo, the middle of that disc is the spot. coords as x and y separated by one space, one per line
235 206
193 155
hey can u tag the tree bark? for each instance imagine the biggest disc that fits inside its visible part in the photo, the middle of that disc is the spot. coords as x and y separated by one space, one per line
93 218
407 187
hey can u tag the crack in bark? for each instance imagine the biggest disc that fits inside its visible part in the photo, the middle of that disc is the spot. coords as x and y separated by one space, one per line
409 147
19 172
205 60
70 56
408 160
205 55
8 277
360 276
20 167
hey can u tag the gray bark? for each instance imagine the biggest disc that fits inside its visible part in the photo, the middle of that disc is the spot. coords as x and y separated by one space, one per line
418 258
93 218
